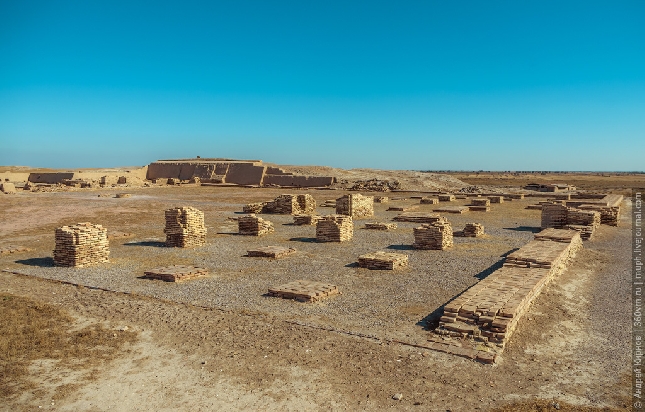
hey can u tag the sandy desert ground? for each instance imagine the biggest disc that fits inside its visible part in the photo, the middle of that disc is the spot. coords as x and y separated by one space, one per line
101 338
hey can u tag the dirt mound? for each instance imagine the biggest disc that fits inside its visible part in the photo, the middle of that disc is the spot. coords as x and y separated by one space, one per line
376 179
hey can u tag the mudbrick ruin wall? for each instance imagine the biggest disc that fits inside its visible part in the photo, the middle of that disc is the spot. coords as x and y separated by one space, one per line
240 172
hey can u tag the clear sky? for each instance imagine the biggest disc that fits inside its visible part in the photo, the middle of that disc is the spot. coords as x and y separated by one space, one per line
494 85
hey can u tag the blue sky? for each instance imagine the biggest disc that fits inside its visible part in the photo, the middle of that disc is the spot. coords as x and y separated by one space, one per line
395 85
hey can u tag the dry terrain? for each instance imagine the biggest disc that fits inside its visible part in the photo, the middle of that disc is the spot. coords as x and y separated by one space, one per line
103 338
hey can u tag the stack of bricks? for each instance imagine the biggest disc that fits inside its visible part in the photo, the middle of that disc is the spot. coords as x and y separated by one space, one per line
291 205
306 219
80 245
489 311
584 221
335 228
175 273
446 198
304 291
383 261
356 205
481 202
433 236
254 207
554 215
274 252
496 199
251 225
380 226
429 201
609 215
473 230
480 205
185 227
381 199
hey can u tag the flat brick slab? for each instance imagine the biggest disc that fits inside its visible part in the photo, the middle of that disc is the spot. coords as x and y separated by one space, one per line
175 273
418 217
271 252
452 209
402 208
380 226
383 261
479 208
304 291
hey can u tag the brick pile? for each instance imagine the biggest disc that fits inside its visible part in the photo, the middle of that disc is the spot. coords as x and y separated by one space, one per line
254 207
429 201
185 227
381 199
251 225
608 215
452 209
584 221
304 291
380 226
496 199
80 245
356 205
383 261
433 236
419 217
175 273
490 310
446 198
555 215
122 195
473 230
329 203
306 219
335 228
480 202
274 252
291 205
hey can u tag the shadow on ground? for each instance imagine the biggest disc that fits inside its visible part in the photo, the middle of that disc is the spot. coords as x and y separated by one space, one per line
153 243
400 247
303 239
43 262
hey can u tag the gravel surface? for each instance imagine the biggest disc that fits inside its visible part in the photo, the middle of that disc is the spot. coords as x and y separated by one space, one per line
383 303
